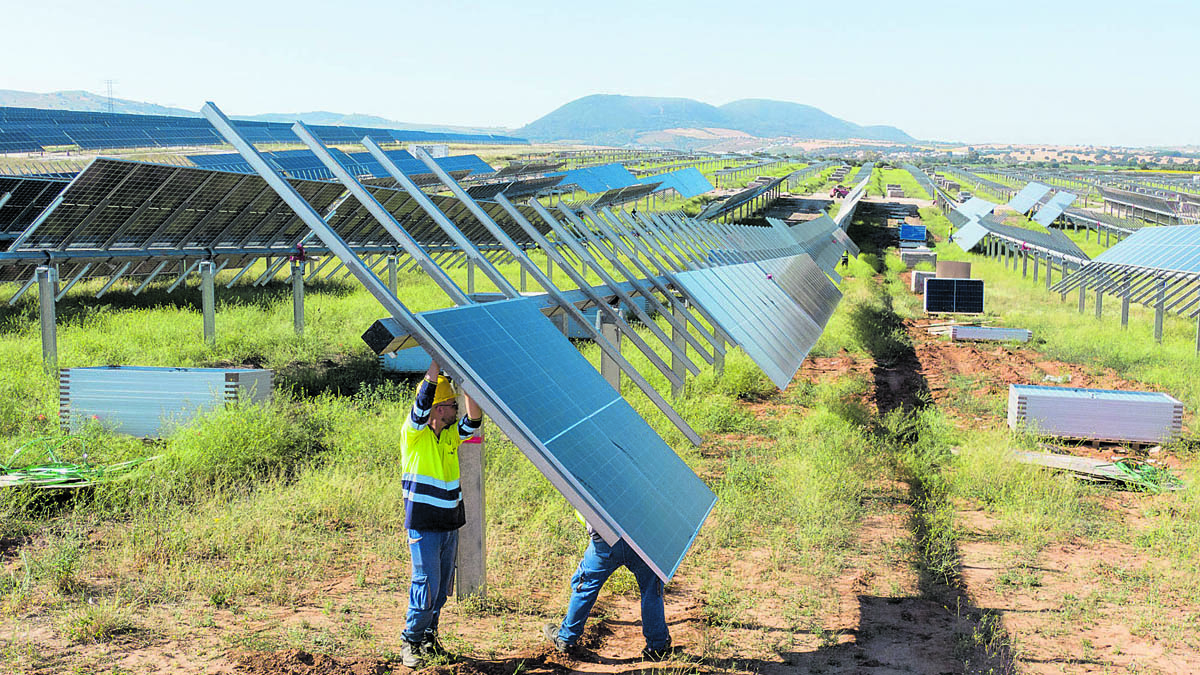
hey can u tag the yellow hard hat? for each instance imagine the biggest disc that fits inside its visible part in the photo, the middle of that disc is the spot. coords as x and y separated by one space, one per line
444 392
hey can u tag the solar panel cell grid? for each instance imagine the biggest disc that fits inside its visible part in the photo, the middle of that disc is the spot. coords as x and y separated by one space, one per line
599 444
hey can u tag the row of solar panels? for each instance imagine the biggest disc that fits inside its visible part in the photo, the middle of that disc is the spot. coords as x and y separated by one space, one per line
33 129
304 164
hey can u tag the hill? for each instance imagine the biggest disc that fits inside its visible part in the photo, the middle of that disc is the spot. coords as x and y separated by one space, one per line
618 120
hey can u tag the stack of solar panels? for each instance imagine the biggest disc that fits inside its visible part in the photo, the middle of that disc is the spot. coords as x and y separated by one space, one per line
915 257
919 277
151 402
990 333
1095 414
911 236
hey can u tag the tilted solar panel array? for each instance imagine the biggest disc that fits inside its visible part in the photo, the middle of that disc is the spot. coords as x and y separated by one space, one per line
304 164
688 182
21 128
23 199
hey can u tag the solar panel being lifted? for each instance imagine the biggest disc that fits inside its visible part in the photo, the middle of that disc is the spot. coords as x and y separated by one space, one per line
596 446
954 296
1053 208
1029 195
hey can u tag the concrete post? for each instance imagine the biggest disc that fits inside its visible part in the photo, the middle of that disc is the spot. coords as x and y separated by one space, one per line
298 296
472 537
1037 261
608 367
208 301
47 280
393 281
1099 303
1159 310
1024 264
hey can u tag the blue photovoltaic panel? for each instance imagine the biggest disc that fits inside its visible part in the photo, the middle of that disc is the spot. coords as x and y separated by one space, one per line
595 179
305 164
1053 208
975 207
806 284
758 314
912 232
954 296
1175 249
687 182
1029 195
602 454
969 235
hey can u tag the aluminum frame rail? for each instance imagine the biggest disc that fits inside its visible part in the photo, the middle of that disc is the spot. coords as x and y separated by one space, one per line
443 349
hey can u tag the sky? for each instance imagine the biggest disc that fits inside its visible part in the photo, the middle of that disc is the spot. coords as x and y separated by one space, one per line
1015 72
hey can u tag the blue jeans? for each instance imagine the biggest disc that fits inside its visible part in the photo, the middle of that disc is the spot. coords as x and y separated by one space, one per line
432 571
599 562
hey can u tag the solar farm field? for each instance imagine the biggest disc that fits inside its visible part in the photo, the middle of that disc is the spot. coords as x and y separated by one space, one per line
869 518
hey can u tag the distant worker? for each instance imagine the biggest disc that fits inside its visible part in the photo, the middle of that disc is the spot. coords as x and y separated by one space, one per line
845 258
599 562
433 506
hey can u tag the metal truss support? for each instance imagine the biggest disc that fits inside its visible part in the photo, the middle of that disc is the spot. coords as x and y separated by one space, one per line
79 275
144 284
208 300
678 332
298 296
47 280
120 273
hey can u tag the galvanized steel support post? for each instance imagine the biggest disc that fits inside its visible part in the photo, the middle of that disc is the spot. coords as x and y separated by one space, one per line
1159 310
608 365
46 280
471 562
1125 302
393 280
1082 295
1099 303
524 279
208 300
298 296
470 276
1037 261
678 327
1024 264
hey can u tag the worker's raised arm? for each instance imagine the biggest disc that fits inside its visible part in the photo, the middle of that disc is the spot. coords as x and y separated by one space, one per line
469 425
418 417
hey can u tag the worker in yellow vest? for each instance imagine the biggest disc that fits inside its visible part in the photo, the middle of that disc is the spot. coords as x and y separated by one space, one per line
433 507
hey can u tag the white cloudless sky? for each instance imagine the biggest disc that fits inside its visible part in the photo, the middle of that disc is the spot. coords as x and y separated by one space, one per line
1015 72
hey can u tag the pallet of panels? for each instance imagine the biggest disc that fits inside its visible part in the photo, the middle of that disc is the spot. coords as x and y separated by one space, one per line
151 402
912 258
953 269
1095 414
990 333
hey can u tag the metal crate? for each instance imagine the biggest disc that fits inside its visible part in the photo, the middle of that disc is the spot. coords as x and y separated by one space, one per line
1095 414
151 402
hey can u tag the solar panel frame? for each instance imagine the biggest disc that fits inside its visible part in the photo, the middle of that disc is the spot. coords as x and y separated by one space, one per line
954 296
1027 197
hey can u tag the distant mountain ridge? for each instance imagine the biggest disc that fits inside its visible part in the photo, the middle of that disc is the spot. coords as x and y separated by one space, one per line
87 101
617 120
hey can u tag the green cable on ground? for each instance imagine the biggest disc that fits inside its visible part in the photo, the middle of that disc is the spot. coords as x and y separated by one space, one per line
56 473
1147 476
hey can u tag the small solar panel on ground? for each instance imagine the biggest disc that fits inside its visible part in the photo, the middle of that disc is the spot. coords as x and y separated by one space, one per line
954 296
919 277
912 232
596 446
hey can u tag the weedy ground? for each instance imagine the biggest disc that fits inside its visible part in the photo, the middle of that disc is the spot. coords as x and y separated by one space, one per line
870 517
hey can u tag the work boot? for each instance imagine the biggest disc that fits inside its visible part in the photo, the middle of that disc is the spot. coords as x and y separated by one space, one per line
410 654
430 645
663 654
550 632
